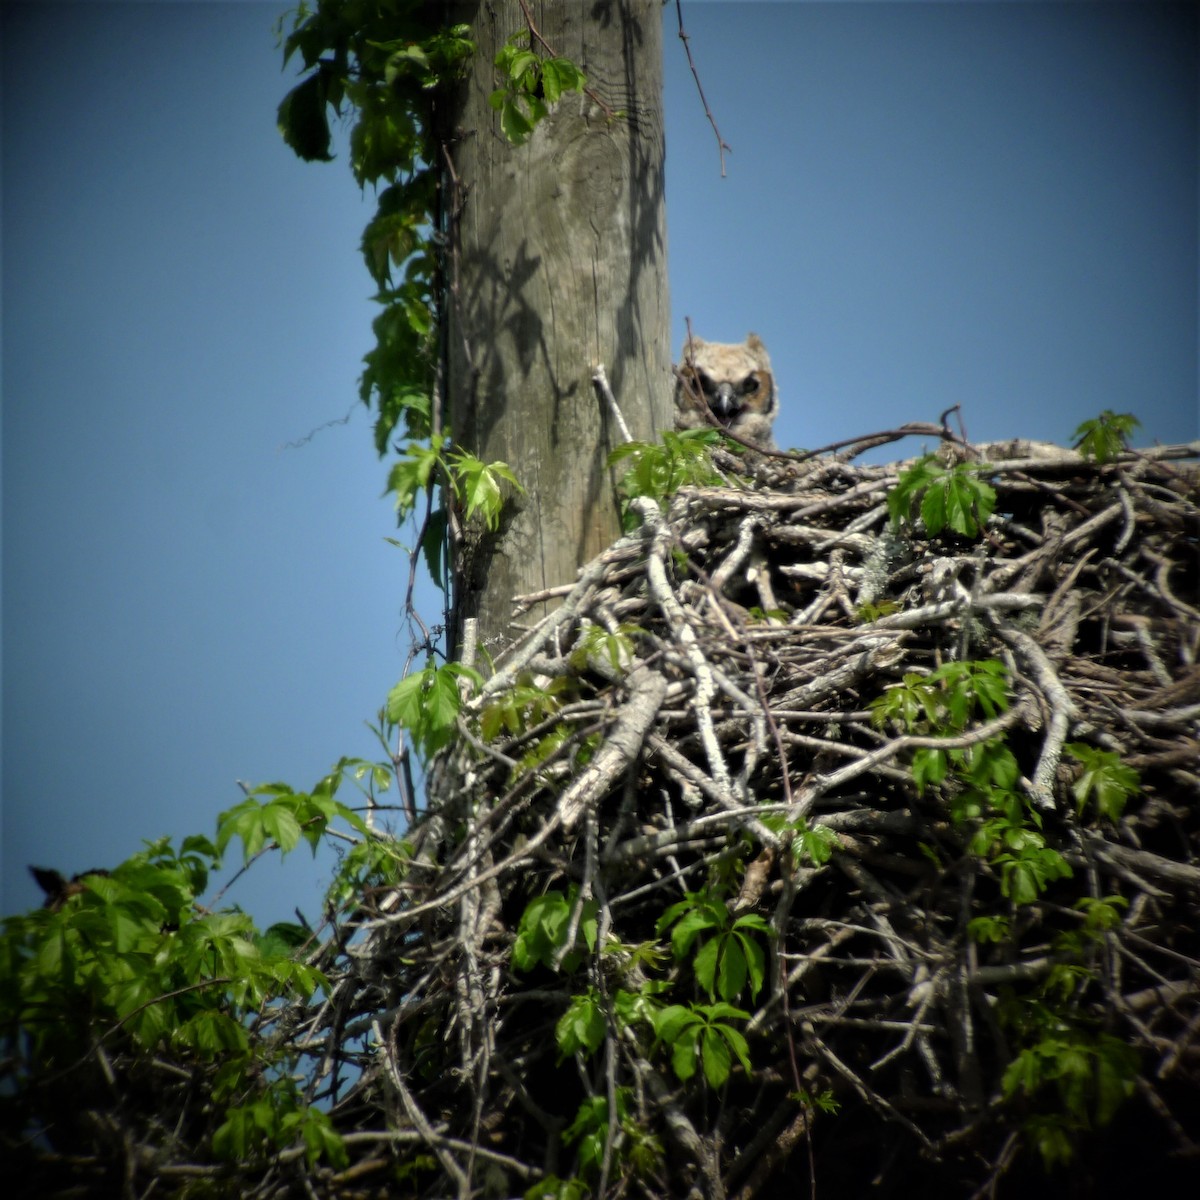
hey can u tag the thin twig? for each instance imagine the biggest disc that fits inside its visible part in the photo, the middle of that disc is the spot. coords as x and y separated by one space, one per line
683 37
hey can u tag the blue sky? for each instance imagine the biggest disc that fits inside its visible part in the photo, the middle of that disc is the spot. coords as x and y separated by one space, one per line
989 204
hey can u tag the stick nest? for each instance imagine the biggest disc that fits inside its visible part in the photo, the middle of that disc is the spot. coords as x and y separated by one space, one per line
688 720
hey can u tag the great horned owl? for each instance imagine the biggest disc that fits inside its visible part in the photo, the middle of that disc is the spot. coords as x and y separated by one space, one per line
734 381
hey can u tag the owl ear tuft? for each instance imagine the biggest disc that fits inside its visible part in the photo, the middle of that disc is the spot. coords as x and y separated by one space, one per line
755 346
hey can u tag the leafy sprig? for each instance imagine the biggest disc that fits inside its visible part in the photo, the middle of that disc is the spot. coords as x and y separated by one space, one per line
1104 437
955 498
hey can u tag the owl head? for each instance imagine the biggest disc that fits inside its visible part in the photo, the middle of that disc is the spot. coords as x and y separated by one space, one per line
733 382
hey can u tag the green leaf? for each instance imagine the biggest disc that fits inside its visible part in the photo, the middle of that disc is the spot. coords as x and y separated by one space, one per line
816 844
590 1128
658 471
1116 1076
560 75
516 126
281 824
705 965
703 914
737 1042
598 642
433 548
716 1056
321 1140
1052 1139
477 486
413 474
1024 1074
1102 913
516 64
553 1188
672 1020
1105 781
543 929
211 1033
683 1052
756 965
988 929
582 1026
302 119
928 766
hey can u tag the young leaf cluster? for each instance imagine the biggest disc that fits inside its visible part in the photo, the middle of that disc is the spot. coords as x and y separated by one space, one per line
729 955
286 816
986 797
681 459
1104 781
531 86
701 1033
953 498
545 926
427 704
1104 437
1090 1074
633 1148
473 488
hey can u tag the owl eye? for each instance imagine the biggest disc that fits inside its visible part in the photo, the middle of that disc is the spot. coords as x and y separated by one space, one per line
707 382
749 384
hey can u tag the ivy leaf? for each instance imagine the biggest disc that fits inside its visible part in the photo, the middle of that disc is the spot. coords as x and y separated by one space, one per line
705 966
410 476
956 498
211 1033
715 1055
1116 1070
928 766
671 1021
817 844
302 119
1106 781
1052 1140
433 548
988 929
560 75
280 823
427 704
516 125
1024 1074
321 1140
736 1041
582 1026
755 959
683 1052
477 484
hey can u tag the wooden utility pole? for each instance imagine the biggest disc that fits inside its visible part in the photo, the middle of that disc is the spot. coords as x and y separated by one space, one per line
559 262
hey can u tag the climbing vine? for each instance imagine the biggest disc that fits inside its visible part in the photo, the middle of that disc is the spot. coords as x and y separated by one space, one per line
390 72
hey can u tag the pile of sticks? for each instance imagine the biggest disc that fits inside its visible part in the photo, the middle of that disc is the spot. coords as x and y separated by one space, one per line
699 699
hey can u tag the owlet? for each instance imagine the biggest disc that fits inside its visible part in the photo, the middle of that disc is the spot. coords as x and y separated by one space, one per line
736 384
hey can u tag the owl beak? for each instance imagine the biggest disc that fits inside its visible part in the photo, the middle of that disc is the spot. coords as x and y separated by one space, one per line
725 404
